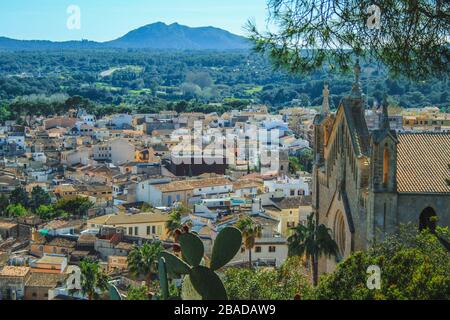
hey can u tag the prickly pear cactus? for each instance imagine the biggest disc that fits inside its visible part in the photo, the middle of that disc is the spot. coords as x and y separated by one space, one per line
188 291
201 281
163 282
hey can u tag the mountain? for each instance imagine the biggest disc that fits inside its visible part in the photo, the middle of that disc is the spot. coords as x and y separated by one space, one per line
153 36
175 36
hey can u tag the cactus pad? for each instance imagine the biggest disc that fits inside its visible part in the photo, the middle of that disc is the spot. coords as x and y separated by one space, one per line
191 248
226 246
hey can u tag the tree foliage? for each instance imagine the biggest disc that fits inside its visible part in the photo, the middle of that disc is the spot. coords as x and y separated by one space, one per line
76 207
39 197
16 210
412 38
250 232
414 266
143 260
93 280
268 284
137 293
19 196
312 241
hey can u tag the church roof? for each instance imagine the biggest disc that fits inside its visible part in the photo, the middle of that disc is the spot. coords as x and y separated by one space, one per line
423 163
354 113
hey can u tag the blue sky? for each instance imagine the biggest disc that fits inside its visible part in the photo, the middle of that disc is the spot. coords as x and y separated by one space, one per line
108 19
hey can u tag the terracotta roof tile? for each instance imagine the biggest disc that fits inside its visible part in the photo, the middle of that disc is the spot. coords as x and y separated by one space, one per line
423 163
12 271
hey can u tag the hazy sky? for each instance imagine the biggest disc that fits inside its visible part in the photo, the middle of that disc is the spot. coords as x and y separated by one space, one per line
108 19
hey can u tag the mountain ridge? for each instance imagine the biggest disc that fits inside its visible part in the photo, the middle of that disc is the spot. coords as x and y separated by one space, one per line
156 35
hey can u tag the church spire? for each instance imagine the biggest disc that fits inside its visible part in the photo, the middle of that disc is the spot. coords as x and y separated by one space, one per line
356 89
384 120
326 101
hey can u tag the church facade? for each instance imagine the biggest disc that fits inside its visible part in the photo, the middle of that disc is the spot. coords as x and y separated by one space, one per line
366 184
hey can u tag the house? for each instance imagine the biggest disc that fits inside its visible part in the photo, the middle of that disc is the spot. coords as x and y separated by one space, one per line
63 227
102 174
59 122
8 181
101 134
8 229
150 168
122 121
66 191
166 194
289 187
117 263
266 252
12 282
270 249
78 156
86 130
116 151
144 225
41 245
38 285
290 212
247 188
55 264
110 243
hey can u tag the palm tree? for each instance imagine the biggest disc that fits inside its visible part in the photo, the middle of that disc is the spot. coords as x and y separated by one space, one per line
312 241
93 279
250 231
174 222
143 260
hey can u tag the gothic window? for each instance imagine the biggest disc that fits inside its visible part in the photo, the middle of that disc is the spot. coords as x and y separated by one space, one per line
385 166
339 232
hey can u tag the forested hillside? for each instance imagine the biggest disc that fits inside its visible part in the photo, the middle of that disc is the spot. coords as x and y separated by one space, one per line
147 81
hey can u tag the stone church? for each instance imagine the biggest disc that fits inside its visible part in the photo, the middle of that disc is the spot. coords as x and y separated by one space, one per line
368 183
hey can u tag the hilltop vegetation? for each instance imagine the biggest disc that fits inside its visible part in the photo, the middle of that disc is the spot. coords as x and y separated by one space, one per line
149 81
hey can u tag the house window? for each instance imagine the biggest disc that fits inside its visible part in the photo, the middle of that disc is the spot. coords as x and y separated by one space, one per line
272 249
130 231
257 249
148 230
292 192
153 229
135 231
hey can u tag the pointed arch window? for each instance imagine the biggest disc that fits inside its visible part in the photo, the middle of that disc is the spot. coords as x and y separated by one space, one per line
385 166
339 232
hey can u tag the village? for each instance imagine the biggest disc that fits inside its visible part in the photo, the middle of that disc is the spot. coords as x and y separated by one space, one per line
74 187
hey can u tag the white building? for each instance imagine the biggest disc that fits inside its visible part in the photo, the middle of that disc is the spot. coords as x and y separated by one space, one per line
121 120
289 187
79 156
117 151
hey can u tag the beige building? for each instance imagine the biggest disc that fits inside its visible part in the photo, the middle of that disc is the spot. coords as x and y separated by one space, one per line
144 225
290 212
117 263
12 282
39 284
